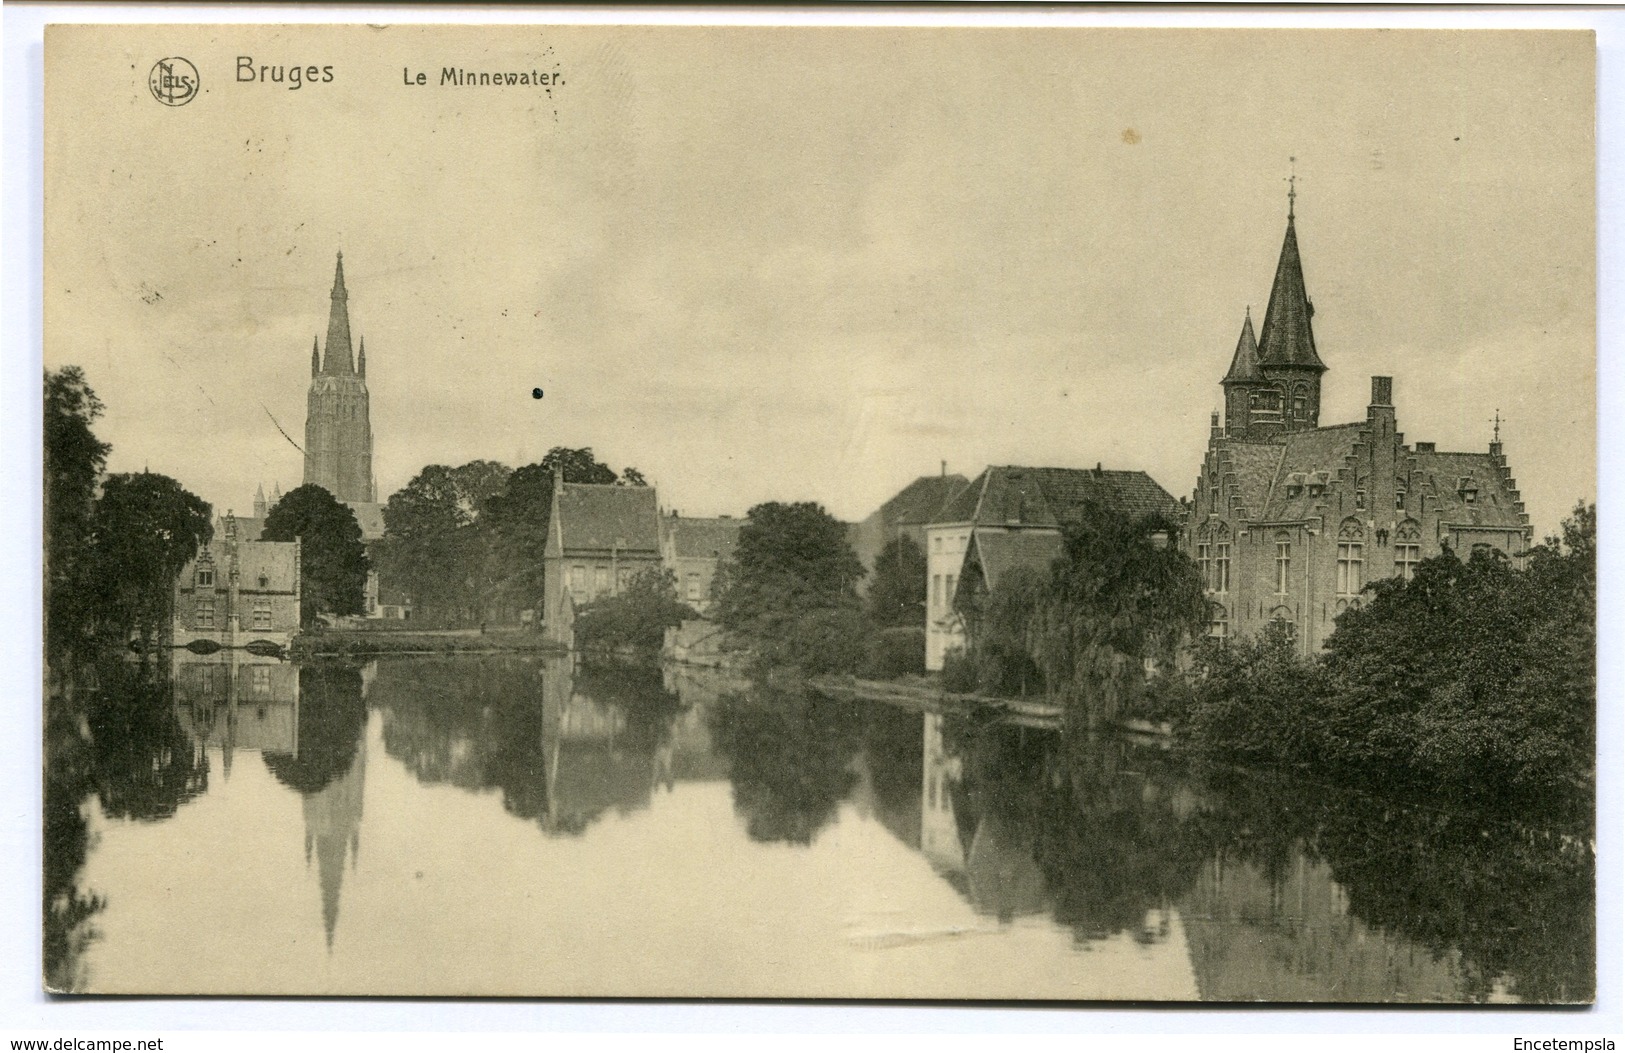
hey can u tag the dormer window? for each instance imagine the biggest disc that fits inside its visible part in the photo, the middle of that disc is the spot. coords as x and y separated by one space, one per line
205 577
265 582
1467 487
1294 484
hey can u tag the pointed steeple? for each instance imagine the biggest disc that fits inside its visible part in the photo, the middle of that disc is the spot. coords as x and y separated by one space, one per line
1244 366
361 359
339 360
315 355
1288 339
259 502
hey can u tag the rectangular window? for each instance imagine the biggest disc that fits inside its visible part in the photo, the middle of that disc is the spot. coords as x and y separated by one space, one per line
1406 557
578 578
262 615
600 580
1350 567
260 680
205 613
1283 567
693 585
1204 563
936 590
1399 500
948 591
205 577
1221 567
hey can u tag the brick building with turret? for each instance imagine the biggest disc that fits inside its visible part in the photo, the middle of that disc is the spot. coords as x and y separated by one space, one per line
1290 520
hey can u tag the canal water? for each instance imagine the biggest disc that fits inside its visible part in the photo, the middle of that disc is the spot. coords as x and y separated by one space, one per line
503 825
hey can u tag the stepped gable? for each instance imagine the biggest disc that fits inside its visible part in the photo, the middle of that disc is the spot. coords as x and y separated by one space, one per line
1319 450
1441 475
601 517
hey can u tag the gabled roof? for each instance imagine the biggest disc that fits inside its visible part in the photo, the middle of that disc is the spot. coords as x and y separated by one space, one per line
1054 497
999 553
702 538
1244 366
601 518
1288 339
1306 452
1442 474
249 528
274 559
921 500
369 516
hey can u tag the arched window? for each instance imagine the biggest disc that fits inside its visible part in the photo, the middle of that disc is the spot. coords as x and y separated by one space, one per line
1204 553
1300 401
1350 557
1407 548
1281 619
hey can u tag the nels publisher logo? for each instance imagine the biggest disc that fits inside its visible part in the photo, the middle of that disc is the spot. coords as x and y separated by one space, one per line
174 81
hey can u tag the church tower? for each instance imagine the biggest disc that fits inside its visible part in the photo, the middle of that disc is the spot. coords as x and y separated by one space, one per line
338 429
1273 385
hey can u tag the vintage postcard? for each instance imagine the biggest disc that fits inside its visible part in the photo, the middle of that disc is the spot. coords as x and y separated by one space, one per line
903 512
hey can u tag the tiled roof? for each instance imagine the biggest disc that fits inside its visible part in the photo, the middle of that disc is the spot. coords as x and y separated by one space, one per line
1313 450
1255 465
601 518
1288 338
703 538
999 553
248 528
1244 366
1054 497
921 500
369 515
274 559
1442 474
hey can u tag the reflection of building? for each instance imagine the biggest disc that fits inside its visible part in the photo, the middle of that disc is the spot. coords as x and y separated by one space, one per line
235 700
1011 517
235 592
691 549
598 539
1292 939
333 830
1290 519
940 838
594 762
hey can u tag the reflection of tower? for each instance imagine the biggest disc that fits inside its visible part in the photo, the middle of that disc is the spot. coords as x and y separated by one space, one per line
333 830
939 829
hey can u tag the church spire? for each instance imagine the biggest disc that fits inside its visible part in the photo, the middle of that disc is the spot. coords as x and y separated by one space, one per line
1244 366
1287 338
339 360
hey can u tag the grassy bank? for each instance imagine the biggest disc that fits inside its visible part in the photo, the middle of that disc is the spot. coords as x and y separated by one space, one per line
449 641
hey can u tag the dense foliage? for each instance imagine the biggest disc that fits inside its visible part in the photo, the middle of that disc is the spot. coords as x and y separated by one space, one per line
74 460
897 593
790 591
1120 600
1475 680
467 543
333 562
147 528
637 618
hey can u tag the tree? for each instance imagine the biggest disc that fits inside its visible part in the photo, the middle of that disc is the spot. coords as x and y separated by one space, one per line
430 545
1121 596
632 477
638 617
74 460
147 527
897 594
790 589
333 562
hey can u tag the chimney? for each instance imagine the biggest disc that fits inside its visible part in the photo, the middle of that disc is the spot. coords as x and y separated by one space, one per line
1382 391
944 469
1426 447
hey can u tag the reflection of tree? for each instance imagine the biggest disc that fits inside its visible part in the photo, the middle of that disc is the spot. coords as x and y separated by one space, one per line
67 909
789 754
1515 903
331 714
144 763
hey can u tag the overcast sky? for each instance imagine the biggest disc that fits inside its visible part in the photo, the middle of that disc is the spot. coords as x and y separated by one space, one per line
815 263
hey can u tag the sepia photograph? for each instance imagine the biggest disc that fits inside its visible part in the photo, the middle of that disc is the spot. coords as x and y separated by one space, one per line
885 513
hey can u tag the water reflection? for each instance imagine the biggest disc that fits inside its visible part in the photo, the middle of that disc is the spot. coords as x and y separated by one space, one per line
819 847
